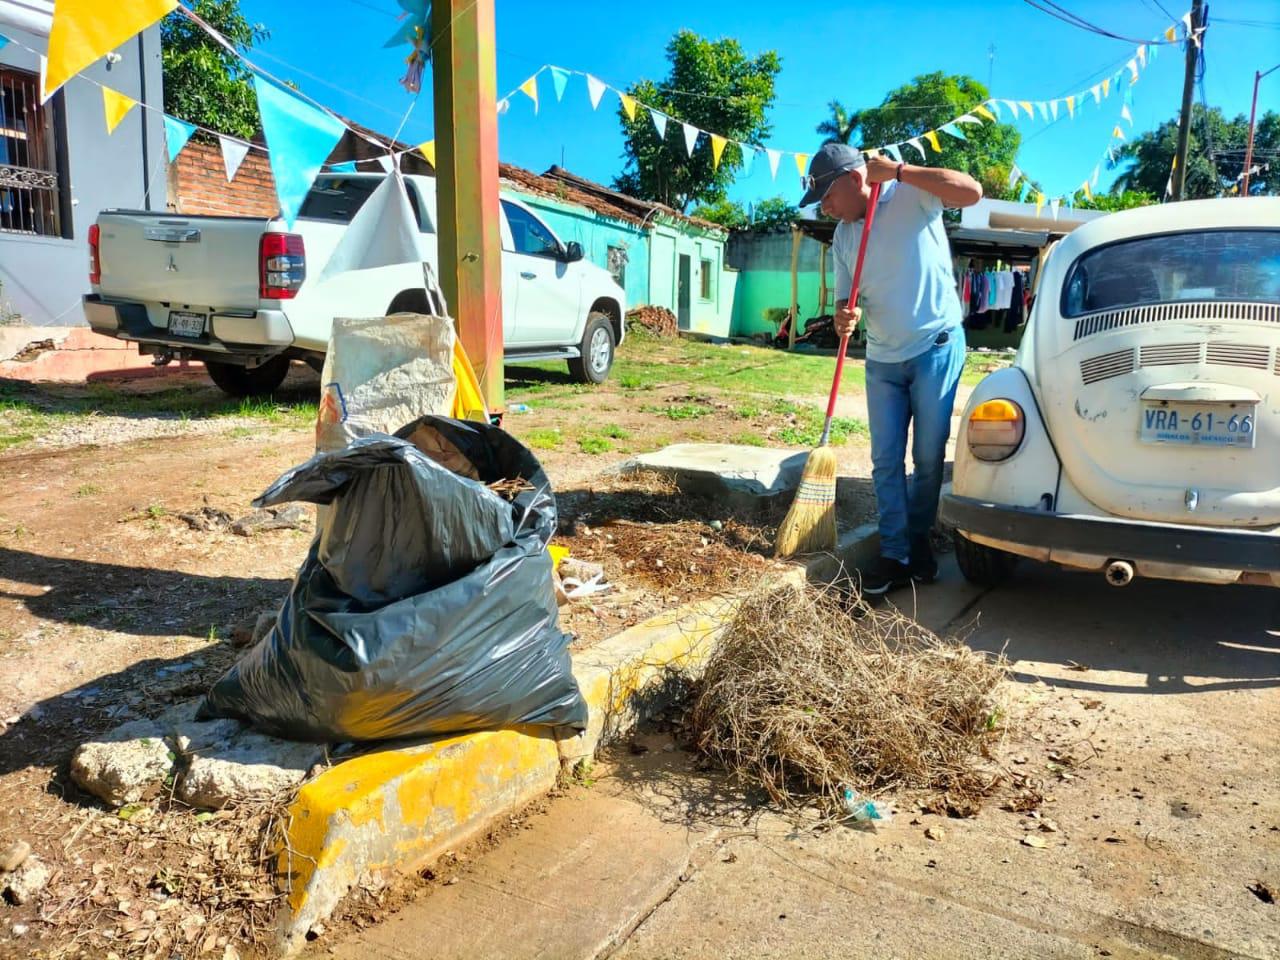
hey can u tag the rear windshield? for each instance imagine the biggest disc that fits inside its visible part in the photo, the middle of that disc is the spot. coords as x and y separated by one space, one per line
338 199
1204 265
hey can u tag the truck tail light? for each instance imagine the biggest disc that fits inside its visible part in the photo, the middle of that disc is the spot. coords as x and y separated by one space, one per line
996 428
95 263
282 265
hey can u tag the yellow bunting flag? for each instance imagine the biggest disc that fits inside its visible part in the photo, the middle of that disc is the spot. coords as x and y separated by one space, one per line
1118 133
983 111
1039 202
628 104
1171 34
1087 192
802 163
117 106
83 31
1026 105
1071 106
1175 158
932 137
530 89
1106 87
717 148
428 151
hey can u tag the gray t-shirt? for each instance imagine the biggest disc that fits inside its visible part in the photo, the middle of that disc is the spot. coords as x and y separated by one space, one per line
908 290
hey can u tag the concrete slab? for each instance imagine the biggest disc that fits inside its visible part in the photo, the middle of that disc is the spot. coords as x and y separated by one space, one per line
573 886
744 474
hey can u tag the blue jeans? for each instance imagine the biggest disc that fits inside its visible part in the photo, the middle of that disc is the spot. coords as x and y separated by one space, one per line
922 391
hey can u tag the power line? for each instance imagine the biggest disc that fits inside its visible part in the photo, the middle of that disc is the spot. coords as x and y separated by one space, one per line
1066 16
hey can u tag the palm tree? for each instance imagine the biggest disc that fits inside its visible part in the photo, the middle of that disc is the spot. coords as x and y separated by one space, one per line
842 125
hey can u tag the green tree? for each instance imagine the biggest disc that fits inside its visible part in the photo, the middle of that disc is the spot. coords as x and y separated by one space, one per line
713 85
927 102
1113 202
1215 155
773 214
728 213
840 126
767 216
204 83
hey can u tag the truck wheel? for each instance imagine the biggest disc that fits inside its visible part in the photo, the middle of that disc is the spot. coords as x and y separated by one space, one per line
983 565
241 381
597 351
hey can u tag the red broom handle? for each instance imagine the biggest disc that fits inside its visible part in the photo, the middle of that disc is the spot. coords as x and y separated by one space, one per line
853 300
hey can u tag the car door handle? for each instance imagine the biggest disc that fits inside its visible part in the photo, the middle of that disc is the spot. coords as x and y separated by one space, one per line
529 276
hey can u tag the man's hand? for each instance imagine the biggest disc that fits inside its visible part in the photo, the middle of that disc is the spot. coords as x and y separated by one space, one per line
846 319
880 169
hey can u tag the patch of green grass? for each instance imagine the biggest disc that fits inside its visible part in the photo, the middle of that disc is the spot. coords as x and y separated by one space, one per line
543 439
978 365
749 438
748 411
614 432
806 431
156 511
681 411
594 444
86 490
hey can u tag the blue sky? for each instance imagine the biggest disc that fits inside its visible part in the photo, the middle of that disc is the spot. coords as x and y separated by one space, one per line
856 52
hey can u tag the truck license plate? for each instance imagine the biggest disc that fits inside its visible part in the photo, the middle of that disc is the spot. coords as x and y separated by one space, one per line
184 324
1204 424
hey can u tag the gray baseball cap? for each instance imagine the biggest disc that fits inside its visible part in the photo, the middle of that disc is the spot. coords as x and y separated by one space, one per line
831 162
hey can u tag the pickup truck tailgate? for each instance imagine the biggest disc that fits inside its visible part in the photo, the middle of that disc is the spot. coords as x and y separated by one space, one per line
183 260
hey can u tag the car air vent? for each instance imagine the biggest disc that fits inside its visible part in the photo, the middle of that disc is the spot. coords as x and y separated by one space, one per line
1212 310
1238 355
1167 354
1106 365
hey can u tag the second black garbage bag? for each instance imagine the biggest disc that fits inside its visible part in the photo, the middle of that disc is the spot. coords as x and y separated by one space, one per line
425 605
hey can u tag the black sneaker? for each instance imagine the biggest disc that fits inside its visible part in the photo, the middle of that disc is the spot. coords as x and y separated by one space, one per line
885 575
924 566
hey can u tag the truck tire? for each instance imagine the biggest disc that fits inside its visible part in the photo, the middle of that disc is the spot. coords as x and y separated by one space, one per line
240 381
983 565
596 351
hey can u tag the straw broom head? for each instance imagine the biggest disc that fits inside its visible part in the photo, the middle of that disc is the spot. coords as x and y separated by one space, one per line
810 524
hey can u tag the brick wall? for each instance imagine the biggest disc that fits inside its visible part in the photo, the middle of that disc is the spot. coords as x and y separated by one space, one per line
198 184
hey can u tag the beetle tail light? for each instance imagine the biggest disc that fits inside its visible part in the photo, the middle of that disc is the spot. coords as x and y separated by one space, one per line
996 429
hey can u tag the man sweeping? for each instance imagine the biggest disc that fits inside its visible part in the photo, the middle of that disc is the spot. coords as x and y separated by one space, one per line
915 337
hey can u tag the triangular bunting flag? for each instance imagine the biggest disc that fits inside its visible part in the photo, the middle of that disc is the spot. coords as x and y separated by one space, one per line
1014 175
233 154
1071 202
1151 55
932 137
386 162
628 104
530 89
1168 187
953 130
1096 90
1128 94
1039 202
915 142
1142 55
774 157
384 232
117 106
717 150
1106 87
748 157
1053 108
1175 162
299 138
1093 180
802 164
659 123
1111 159
968 118
428 151
690 137
1126 115
595 89
1053 206
1118 133
1026 105
346 166
559 79
503 106
176 134
1013 108
1133 70
1022 194
1071 105
1044 110
1087 192
83 31
1171 34
983 111
893 151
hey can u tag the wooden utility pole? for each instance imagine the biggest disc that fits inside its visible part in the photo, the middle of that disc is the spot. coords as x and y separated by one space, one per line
1188 84
464 78
1253 120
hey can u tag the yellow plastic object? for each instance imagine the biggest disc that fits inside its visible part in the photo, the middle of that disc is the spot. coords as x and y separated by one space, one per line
558 553
996 410
468 401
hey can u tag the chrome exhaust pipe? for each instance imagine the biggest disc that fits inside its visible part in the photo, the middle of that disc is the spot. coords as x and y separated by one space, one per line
1119 573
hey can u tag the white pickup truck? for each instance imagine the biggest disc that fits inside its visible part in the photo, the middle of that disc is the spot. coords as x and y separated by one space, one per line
245 296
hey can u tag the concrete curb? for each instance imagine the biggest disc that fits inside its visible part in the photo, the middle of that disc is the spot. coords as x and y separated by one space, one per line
400 809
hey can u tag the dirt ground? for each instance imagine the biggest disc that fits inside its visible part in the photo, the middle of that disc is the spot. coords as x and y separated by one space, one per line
112 606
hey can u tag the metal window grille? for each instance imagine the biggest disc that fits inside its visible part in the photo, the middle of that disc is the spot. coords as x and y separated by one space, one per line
30 185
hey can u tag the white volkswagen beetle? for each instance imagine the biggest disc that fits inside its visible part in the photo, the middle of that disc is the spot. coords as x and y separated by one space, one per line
1138 431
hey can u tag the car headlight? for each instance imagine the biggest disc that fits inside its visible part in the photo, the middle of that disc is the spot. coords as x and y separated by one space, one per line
996 428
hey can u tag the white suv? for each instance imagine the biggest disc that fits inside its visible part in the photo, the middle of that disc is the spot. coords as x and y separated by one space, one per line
1138 431
245 296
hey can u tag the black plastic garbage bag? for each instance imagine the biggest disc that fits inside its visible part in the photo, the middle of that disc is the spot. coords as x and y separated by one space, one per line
425 605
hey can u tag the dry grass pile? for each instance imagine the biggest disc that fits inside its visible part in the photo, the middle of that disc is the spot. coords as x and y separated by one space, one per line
804 697
658 321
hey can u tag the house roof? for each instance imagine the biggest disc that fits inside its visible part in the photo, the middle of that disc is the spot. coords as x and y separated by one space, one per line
645 209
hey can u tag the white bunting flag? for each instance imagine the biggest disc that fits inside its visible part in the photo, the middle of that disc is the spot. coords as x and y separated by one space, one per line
659 123
383 232
969 118
1093 181
915 142
233 154
893 151
1133 70
774 157
386 162
503 106
1012 107
1142 55
1126 115
1053 108
690 137
1053 206
1096 90
1014 175
1044 110
595 89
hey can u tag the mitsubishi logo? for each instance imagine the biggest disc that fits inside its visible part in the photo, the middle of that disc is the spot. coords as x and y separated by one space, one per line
172 267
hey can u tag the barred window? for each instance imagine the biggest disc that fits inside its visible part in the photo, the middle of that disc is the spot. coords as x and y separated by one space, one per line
31 195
